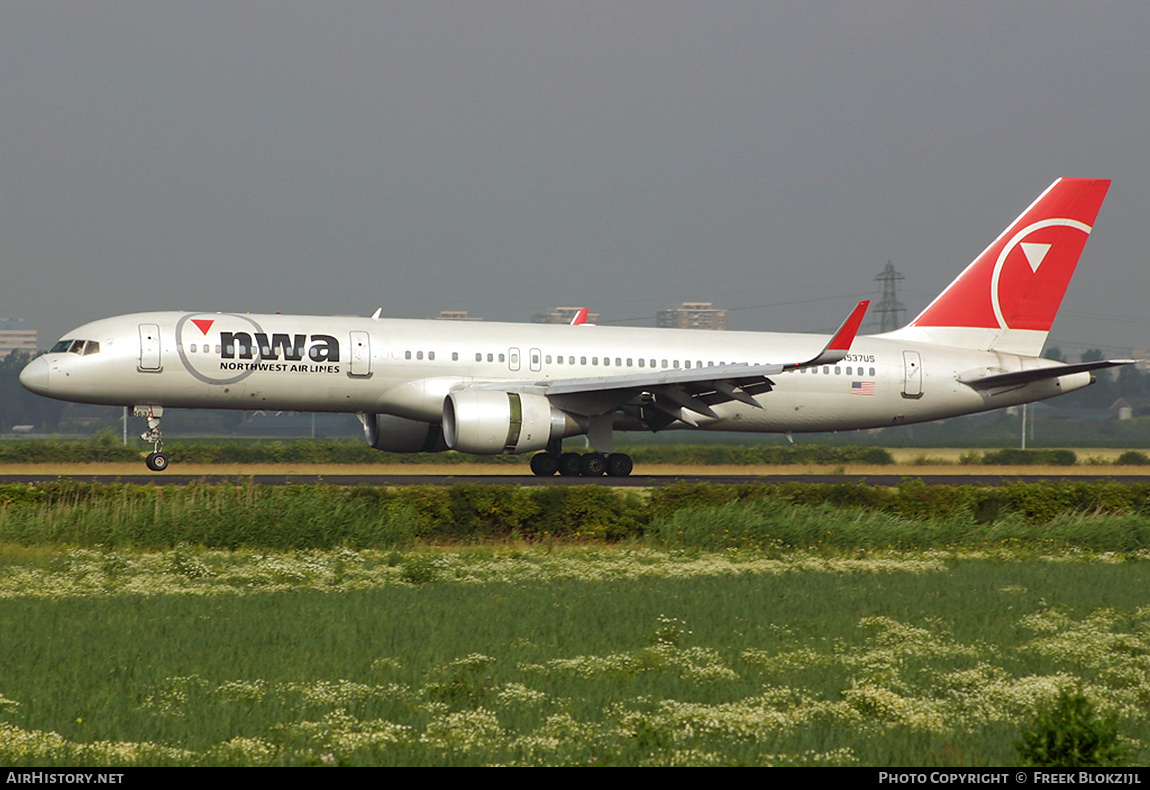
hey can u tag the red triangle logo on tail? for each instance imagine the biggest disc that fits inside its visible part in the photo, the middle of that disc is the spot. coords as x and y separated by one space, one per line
204 324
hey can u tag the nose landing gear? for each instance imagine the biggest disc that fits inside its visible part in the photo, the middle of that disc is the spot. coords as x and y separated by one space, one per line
156 460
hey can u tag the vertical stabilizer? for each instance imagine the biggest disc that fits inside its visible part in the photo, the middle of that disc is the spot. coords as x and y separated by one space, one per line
1007 298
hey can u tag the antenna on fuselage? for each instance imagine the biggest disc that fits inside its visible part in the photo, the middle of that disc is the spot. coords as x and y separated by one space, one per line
378 312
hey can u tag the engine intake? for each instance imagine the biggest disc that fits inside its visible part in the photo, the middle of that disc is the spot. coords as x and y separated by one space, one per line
492 422
401 435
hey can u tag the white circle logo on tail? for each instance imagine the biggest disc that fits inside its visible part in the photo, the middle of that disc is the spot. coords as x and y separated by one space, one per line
1034 252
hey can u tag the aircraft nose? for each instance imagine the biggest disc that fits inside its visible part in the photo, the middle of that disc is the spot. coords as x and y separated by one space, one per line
34 376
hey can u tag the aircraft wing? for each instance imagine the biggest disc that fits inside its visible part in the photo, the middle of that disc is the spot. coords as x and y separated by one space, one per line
667 395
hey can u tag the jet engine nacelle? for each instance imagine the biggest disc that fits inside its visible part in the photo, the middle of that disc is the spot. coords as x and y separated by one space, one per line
401 435
492 422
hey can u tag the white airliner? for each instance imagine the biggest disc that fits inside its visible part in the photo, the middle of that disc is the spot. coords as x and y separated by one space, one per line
493 388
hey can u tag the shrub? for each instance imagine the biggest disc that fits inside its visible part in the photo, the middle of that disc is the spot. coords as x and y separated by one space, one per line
1070 733
1012 457
1133 458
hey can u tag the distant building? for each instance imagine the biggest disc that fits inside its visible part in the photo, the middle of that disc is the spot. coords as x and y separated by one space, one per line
455 315
562 315
693 315
16 336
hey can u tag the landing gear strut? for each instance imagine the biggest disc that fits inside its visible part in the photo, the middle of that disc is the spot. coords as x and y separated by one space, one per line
548 463
156 460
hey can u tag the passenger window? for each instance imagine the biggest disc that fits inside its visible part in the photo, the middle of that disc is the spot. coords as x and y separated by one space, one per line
664 363
826 370
547 359
491 358
419 355
582 360
642 363
872 371
478 357
607 361
848 370
618 362
454 356
594 360
676 364
407 355
838 370
431 355
629 362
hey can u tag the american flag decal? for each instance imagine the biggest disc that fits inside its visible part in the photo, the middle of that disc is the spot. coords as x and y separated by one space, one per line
862 388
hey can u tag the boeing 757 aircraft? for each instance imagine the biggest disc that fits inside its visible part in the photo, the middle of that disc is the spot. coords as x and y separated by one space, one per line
492 388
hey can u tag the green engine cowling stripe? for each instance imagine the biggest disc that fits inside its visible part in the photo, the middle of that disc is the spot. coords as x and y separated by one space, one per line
516 422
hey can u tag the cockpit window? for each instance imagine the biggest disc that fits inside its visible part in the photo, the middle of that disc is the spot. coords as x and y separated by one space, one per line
82 347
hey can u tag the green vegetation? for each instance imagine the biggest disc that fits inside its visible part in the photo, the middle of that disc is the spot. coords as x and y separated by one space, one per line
558 655
1100 516
1012 457
794 624
103 447
1070 733
107 447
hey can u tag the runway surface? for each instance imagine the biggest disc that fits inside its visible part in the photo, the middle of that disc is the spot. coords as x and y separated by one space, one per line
635 481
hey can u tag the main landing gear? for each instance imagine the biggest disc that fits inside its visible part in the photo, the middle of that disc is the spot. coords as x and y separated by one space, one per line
156 460
575 464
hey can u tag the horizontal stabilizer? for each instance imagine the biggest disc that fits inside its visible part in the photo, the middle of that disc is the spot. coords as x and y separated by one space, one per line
1020 377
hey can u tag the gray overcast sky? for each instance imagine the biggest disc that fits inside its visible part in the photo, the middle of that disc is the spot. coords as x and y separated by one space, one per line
505 157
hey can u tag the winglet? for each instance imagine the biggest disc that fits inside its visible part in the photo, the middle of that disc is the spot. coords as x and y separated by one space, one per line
580 317
840 344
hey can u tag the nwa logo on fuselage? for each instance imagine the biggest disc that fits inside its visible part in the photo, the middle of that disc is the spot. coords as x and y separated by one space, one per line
226 348
324 348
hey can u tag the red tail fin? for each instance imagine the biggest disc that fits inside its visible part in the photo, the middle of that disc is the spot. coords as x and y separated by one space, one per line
1014 288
